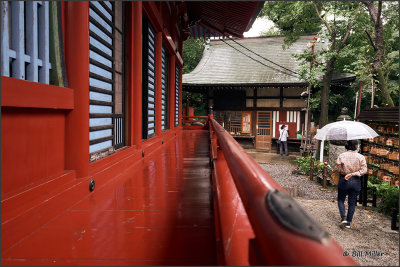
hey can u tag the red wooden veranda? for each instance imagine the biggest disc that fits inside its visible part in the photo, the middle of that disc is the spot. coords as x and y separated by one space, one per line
163 193
197 200
156 212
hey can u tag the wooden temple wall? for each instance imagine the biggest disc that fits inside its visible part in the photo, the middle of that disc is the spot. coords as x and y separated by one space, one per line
275 105
47 129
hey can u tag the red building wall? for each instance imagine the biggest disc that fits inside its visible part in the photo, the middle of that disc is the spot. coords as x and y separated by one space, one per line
44 128
32 132
291 127
32 146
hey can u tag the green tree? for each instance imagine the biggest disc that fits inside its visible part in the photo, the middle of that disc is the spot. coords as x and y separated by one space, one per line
335 23
338 33
192 53
291 19
360 55
378 65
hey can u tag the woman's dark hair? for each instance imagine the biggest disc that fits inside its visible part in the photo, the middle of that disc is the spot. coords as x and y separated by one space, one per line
351 145
283 126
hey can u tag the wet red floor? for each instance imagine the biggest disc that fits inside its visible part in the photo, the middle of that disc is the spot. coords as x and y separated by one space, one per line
157 213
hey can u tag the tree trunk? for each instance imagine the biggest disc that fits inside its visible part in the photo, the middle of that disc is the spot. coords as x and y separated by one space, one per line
378 49
378 68
326 84
382 86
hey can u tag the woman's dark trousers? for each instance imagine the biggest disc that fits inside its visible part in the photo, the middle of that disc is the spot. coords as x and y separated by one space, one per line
352 188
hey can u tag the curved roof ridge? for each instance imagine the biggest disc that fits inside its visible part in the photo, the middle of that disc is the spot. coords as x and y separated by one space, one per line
224 64
202 63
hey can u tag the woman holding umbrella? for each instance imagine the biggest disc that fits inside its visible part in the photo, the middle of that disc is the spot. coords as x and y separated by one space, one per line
351 166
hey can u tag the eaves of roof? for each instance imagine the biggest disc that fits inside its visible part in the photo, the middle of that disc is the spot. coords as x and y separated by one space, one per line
222 65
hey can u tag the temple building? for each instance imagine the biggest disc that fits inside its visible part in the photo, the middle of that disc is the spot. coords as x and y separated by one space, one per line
250 95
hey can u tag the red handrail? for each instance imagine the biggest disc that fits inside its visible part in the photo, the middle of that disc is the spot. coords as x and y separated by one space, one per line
190 119
196 117
280 239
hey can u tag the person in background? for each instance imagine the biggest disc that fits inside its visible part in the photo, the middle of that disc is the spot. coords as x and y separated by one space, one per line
283 135
351 166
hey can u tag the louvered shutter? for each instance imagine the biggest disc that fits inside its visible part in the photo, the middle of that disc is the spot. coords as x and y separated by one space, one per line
148 93
177 95
105 78
164 87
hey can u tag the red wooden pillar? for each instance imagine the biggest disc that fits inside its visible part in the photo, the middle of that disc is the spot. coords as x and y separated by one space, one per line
129 48
77 64
172 92
136 74
180 98
158 83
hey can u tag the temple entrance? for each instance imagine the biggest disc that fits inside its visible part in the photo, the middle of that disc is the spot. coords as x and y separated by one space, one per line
264 133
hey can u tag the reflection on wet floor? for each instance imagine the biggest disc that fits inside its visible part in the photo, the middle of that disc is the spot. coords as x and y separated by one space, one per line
274 158
156 213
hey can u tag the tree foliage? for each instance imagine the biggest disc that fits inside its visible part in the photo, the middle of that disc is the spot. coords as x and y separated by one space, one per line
374 50
192 52
291 19
344 25
359 55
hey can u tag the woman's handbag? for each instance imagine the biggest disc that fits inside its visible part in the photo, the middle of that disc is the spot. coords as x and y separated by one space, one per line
278 141
335 177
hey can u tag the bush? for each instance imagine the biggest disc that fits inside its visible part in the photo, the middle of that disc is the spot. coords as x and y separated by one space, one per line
373 180
304 166
318 168
389 194
390 198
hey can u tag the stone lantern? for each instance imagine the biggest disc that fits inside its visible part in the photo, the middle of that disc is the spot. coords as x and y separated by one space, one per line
336 147
344 115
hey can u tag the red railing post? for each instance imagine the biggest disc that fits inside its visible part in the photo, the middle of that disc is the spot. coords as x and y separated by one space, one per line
213 143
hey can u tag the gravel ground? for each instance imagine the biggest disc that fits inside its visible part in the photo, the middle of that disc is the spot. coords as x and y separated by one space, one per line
307 189
371 242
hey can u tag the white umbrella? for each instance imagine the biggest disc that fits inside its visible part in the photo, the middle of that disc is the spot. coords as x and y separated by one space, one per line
344 130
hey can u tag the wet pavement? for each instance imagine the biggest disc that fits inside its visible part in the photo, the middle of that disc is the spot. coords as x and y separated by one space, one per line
272 158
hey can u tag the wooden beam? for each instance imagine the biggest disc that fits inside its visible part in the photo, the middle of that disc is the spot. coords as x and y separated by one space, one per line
255 97
21 93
